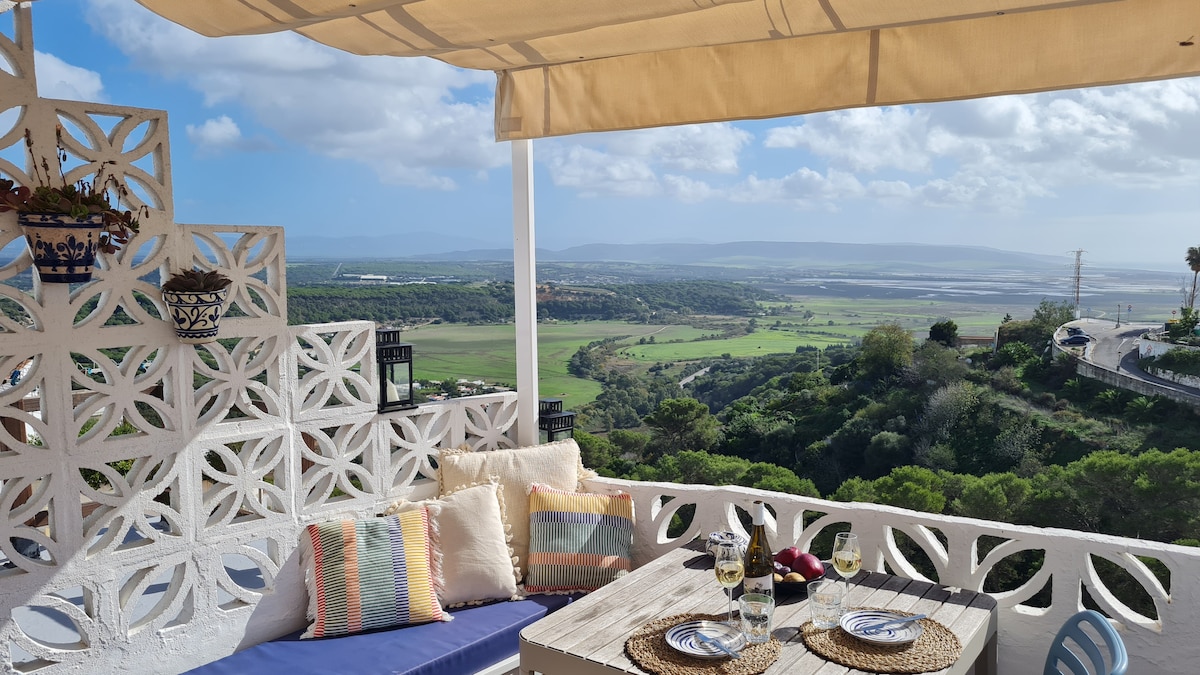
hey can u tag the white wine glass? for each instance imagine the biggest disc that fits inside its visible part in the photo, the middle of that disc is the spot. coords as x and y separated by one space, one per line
729 570
847 557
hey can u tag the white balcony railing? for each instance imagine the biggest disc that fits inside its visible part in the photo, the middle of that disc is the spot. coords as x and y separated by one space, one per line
964 553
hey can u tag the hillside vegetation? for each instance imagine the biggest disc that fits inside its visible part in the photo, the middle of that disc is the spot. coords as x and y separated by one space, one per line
492 302
1009 436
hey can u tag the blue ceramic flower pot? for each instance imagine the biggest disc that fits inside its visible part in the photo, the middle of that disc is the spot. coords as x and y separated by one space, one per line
197 314
63 247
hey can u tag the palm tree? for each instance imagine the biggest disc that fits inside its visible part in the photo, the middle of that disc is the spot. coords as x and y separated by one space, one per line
1142 408
1193 261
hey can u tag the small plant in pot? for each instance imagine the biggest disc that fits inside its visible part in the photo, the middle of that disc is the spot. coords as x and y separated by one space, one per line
66 223
196 301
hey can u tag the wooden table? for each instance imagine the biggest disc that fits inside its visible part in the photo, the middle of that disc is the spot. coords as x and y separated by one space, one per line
588 636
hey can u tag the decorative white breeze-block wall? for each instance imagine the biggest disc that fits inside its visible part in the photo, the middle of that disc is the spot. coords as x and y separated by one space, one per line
231 447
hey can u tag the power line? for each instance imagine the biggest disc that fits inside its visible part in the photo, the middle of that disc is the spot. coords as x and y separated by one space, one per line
1078 275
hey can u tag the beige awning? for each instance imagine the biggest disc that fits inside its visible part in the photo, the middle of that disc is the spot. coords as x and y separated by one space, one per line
565 67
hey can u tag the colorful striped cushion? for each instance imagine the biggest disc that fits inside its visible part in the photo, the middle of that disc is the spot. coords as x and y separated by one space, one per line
556 464
371 573
577 541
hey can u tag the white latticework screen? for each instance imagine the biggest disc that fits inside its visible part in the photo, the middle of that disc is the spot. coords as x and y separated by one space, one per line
152 492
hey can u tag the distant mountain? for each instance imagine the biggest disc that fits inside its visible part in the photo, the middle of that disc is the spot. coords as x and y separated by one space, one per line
822 255
404 245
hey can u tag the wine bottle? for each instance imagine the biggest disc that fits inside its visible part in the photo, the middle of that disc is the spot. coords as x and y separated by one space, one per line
759 567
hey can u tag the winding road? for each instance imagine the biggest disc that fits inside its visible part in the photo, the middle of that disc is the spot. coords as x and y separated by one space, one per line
1116 348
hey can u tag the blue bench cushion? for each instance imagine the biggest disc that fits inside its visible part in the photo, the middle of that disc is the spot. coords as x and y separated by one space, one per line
477 637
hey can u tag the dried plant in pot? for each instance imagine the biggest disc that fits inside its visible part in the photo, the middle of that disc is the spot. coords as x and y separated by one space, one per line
196 301
66 223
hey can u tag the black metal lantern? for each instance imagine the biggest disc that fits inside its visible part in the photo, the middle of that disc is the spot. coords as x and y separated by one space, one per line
395 371
553 420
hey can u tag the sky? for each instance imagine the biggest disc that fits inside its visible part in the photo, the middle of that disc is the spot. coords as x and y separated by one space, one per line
280 130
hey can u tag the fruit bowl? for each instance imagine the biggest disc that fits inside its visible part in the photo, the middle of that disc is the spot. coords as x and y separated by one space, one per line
806 565
794 587
791 587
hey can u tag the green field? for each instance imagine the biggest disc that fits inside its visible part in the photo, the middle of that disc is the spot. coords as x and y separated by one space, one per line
489 352
755 344
854 317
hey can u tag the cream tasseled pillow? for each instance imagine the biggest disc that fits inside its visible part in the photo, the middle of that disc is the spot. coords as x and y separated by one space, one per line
556 464
468 530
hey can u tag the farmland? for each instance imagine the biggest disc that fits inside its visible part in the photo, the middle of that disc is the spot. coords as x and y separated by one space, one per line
817 310
487 352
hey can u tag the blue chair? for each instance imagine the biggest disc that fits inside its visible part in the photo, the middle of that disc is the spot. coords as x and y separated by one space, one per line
1061 657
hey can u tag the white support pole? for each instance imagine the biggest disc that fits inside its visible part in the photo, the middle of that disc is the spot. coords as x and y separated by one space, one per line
525 287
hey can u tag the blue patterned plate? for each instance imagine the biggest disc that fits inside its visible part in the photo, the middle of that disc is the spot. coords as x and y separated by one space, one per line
854 623
682 638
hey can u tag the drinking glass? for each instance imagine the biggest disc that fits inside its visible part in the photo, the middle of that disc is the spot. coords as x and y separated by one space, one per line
729 570
756 610
825 598
847 558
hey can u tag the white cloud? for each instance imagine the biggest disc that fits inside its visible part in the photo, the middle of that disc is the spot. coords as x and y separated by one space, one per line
997 153
687 189
594 173
896 191
58 79
864 139
712 148
220 134
804 188
646 162
399 116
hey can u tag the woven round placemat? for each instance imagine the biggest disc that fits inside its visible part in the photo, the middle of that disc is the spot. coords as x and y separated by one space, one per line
648 648
936 649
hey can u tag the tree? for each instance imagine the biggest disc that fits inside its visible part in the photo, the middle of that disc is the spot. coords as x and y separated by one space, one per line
912 487
856 489
764 476
1185 325
947 411
1050 315
1193 260
945 332
886 350
1111 400
630 443
935 363
682 424
594 450
1142 409
1037 331
702 468
996 496
886 451
1155 495
1012 354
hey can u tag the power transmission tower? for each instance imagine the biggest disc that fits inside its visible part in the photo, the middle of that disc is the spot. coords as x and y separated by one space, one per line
1078 277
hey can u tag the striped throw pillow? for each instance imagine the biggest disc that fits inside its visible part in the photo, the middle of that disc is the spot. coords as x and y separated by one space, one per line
577 541
370 573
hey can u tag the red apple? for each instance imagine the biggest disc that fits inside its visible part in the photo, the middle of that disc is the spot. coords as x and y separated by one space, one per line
787 556
808 566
